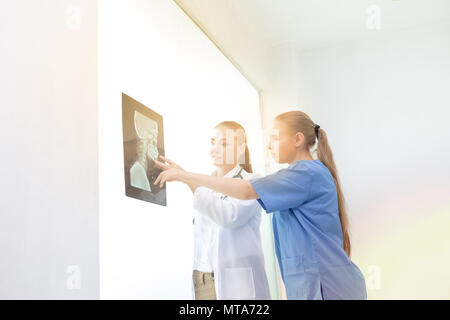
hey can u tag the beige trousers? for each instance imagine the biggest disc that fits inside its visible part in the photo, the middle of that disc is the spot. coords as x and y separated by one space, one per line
204 285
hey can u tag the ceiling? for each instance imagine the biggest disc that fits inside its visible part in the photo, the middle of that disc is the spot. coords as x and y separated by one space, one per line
248 31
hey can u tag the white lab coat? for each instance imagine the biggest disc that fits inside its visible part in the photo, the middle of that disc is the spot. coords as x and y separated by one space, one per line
238 261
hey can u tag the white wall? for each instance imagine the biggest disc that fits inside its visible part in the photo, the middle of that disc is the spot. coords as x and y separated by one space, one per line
384 102
151 51
49 181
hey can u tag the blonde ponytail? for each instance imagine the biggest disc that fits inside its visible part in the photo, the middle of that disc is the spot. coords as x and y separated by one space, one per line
325 155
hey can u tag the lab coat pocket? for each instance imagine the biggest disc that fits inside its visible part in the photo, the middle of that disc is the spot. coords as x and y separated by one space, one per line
294 277
238 283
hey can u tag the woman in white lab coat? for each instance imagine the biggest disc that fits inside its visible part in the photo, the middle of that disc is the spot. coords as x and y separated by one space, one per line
228 257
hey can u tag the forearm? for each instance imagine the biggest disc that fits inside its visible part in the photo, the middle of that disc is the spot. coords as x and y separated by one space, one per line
234 188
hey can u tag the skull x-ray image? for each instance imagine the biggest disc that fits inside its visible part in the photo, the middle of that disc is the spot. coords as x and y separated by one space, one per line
143 143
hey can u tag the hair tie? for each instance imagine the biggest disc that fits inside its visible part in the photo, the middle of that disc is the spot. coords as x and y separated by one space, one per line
316 129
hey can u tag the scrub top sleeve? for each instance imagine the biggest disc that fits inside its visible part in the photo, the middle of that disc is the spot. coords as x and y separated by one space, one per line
282 190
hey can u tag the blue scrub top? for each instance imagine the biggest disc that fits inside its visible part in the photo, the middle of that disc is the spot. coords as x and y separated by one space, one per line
307 233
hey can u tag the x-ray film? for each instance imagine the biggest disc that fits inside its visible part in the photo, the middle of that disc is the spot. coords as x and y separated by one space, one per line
143 143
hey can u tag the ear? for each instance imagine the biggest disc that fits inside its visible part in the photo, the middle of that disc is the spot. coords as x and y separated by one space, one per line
299 138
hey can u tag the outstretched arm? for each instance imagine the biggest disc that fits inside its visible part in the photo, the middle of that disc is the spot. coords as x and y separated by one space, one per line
235 188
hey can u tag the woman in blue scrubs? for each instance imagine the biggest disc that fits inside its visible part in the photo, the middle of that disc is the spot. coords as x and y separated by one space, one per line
309 222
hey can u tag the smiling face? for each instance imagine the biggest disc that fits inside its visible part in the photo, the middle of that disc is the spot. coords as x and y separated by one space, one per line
224 148
283 143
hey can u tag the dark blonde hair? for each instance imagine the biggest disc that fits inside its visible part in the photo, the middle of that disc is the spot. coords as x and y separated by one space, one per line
247 165
298 121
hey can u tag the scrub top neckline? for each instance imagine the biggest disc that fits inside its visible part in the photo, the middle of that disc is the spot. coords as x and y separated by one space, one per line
304 160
